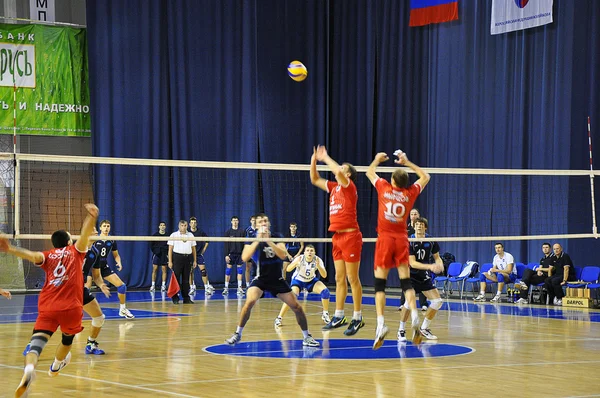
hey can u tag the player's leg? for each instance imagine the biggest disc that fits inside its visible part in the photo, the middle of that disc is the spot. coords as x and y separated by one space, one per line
208 289
228 267
436 303
483 277
154 270
36 345
185 286
70 325
121 293
291 300
501 281
253 294
341 291
409 294
163 287
283 269
404 315
351 252
240 272
248 269
381 274
178 272
191 282
284 306
320 288
92 308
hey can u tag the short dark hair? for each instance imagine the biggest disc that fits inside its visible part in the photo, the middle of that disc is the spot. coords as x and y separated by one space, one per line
261 215
423 221
60 239
162 222
351 170
192 218
104 222
415 209
182 222
235 218
498 243
547 244
252 216
293 223
400 178
310 245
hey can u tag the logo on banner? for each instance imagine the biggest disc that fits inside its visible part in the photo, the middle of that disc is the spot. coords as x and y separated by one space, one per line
521 3
17 65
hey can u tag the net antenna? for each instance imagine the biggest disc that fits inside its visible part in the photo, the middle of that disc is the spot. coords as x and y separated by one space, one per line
594 227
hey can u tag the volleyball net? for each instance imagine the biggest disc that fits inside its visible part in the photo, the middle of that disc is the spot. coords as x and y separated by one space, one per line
468 209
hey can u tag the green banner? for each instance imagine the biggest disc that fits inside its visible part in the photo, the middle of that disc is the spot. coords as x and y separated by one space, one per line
48 66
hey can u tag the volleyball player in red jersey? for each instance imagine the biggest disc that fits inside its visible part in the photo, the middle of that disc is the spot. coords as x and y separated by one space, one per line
60 302
347 240
392 247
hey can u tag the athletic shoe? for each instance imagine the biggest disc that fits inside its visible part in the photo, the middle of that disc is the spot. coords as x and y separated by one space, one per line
325 317
401 336
481 297
188 301
240 292
354 326
234 339
335 323
496 299
26 381
522 285
92 348
380 337
192 289
427 334
424 308
558 302
225 291
63 364
209 290
175 299
27 348
310 342
125 313
278 322
522 301
152 289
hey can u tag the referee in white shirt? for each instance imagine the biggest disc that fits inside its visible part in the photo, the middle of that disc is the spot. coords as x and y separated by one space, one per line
182 256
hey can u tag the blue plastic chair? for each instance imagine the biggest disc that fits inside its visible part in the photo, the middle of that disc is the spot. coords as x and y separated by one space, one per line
454 270
588 274
475 280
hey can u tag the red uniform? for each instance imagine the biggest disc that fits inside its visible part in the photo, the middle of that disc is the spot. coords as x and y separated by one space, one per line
61 302
347 246
395 205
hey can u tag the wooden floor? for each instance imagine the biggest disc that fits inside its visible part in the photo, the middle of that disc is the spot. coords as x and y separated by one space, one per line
527 351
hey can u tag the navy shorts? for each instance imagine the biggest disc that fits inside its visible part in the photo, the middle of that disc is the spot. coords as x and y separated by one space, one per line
422 285
160 260
200 259
236 259
87 296
272 286
305 285
105 270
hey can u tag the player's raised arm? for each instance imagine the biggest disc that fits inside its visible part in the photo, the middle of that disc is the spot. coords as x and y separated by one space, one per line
87 228
315 178
321 267
379 158
37 258
323 156
248 251
292 266
424 177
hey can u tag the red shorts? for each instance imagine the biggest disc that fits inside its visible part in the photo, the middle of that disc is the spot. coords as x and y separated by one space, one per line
347 246
68 320
391 251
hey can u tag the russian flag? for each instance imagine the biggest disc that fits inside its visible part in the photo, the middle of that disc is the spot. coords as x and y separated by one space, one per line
425 12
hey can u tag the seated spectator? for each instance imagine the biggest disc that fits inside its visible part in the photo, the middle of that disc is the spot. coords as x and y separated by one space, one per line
562 271
503 271
537 276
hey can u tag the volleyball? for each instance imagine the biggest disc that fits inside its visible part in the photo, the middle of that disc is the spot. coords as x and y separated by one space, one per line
297 71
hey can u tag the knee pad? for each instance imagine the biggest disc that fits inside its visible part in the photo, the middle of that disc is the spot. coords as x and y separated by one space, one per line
380 285
203 272
122 289
240 269
436 304
405 284
98 321
67 340
37 344
228 271
325 294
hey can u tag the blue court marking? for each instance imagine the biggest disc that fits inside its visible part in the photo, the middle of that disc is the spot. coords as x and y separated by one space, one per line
338 349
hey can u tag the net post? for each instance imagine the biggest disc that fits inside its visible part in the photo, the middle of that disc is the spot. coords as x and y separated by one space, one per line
594 226
17 214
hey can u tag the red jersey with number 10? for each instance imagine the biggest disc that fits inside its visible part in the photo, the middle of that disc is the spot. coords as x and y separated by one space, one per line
395 205
64 279
342 206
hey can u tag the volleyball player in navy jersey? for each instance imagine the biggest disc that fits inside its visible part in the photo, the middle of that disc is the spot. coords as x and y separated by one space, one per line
294 249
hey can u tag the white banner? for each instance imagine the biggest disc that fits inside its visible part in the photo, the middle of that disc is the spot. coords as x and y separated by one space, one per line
509 15
42 10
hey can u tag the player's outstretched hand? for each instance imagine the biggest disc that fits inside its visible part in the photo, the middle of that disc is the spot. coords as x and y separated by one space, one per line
313 158
321 153
105 290
5 293
381 157
119 266
437 268
402 158
4 243
92 209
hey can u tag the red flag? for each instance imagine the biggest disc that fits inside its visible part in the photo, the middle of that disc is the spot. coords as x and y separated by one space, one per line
173 286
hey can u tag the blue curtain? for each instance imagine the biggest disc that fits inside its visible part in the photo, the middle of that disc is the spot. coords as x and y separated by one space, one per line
200 80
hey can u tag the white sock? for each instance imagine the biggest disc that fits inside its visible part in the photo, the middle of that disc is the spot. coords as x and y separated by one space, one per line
305 333
226 285
482 293
206 285
325 312
414 315
380 321
153 284
29 368
239 330
498 293
357 315
402 326
426 323
339 313
122 306
164 283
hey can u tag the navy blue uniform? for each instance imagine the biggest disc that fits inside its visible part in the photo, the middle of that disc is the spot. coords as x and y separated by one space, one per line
251 233
423 252
160 251
199 245
91 258
269 271
234 249
104 248
293 248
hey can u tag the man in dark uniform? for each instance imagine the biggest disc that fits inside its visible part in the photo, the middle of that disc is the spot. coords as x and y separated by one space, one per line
160 252
200 249
233 255
562 271
538 275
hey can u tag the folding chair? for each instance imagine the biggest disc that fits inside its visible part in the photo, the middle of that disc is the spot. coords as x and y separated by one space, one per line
453 272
